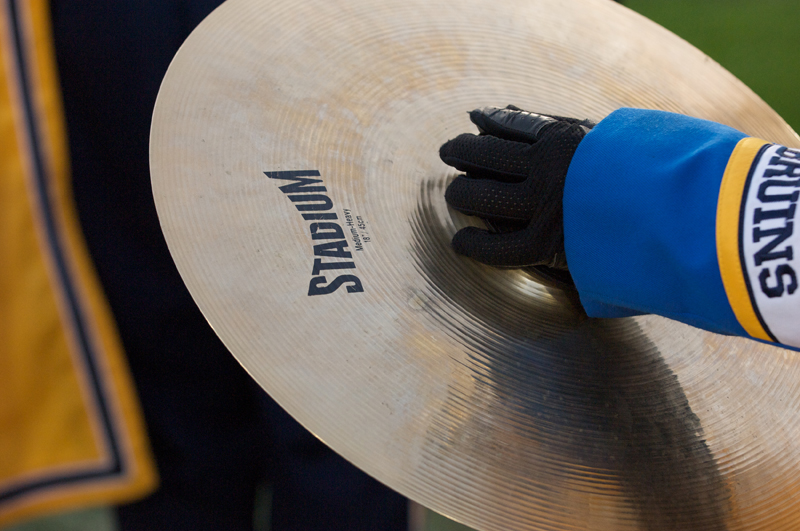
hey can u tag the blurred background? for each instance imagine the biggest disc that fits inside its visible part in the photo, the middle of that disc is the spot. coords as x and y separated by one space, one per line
756 40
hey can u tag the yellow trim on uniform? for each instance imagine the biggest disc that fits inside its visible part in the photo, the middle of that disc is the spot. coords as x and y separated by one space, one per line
142 477
58 416
729 207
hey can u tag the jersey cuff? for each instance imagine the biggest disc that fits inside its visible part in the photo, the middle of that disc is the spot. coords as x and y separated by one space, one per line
755 238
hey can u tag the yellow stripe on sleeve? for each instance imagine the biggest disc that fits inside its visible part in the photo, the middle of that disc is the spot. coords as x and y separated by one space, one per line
729 207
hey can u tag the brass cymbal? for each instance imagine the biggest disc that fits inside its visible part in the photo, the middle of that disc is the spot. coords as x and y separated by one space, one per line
294 157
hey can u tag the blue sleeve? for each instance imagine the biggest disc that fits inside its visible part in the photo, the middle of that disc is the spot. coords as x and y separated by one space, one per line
657 220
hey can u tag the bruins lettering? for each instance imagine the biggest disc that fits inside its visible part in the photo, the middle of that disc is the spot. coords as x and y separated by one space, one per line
779 184
330 246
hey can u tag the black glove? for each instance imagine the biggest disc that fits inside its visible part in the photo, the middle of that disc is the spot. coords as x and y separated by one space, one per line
515 172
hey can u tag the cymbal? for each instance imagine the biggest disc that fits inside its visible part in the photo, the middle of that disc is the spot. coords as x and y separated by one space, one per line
294 158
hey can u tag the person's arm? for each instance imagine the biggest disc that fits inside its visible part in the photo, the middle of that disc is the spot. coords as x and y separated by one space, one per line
674 216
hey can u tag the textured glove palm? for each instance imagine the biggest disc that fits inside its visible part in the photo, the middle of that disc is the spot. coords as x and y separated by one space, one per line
515 172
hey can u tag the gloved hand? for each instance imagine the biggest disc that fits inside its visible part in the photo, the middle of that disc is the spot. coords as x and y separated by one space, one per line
515 172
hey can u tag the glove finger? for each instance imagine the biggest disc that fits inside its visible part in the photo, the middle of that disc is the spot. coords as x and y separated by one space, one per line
586 123
488 157
509 250
511 123
491 199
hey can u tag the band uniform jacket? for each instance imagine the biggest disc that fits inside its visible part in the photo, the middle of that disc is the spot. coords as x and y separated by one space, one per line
71 430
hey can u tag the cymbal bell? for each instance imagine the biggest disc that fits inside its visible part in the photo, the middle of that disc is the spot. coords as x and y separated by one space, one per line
294 160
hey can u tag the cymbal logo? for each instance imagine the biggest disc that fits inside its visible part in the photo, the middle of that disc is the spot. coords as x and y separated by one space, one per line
309 198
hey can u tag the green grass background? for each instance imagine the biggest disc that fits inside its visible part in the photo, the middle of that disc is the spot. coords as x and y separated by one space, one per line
757 41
